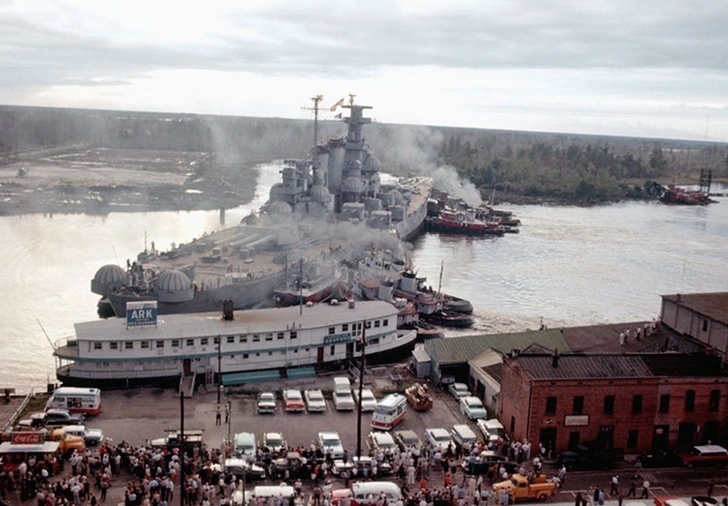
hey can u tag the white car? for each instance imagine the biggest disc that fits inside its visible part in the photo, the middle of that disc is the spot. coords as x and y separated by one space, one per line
492 429
438 438
368 401
92 437
382 441
473 408
343 401
266 403
459 390
274 441
329 442
315 401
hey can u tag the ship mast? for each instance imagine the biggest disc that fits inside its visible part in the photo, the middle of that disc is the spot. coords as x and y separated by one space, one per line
316 101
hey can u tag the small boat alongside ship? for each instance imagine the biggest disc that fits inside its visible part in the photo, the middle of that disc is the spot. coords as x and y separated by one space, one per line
451 215
241 346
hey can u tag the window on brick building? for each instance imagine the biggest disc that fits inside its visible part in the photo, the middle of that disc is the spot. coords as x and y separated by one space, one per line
705 325
550 405
632 439
636 404
608 404
665 403
690 400
578 406
714 400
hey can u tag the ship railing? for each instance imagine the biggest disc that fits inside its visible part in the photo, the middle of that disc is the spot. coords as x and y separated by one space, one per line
69 341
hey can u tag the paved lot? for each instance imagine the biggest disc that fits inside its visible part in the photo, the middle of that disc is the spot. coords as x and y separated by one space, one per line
136 415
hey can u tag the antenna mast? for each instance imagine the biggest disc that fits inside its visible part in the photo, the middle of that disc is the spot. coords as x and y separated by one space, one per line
316 101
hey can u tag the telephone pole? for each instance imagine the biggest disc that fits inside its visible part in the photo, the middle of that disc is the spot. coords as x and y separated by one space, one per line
362 365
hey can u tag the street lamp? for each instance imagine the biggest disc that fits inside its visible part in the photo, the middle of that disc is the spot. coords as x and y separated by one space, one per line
362 365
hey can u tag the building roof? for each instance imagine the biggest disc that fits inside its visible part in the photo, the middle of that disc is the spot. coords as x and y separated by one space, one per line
181 326
592 366
495 371
712 305
458 350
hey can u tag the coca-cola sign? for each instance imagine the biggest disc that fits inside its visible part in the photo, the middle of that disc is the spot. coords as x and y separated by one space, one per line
26 438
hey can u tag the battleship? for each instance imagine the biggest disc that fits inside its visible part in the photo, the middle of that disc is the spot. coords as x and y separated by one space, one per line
317 212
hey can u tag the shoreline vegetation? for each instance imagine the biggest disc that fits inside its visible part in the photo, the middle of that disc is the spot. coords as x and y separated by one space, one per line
90 161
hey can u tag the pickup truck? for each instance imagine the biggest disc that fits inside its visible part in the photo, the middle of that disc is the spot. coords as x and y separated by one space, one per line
68 442
519 488
52 417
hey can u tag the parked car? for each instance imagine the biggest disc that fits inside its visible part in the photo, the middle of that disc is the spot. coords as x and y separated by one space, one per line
241 468
381 441
330 443
315 401
492 430
274 441
472 407
438 438
54 418
458 390
293 401
706 455
660 458
266 403
408 439
368 401
92 437
480 464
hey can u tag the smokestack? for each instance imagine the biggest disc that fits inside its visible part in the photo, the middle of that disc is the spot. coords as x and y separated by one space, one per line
555 359
227 311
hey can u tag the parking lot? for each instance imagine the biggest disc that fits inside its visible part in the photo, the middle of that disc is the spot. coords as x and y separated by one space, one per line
145 414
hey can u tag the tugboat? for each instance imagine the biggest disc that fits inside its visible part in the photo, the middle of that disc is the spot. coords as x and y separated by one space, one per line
680 196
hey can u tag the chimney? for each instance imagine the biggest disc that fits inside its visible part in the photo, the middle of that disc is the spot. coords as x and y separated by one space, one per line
555 359
227 310
678 297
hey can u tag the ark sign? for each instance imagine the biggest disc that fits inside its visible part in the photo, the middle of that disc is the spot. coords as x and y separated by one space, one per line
141 314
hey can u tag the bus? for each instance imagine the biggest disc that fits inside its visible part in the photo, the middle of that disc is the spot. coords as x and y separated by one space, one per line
76 400
389 412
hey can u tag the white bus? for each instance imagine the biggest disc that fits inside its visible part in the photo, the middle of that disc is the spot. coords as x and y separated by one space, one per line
76 400
389 412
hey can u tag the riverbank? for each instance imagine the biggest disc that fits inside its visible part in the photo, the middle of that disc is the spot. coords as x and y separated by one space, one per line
99 181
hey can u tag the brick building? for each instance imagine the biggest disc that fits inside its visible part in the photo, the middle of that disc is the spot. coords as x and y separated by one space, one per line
636 402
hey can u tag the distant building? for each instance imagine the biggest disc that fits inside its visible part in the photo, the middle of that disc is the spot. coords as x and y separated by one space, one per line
701 316
636 402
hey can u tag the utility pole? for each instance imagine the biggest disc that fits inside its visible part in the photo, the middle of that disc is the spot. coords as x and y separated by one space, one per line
362 365
219 369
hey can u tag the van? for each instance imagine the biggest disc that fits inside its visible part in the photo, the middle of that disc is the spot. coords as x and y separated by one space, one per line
706 455
368 492
462 434
343 401
245 446
76 400
389 412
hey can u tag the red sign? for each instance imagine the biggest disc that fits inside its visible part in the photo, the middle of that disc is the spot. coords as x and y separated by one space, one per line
26 438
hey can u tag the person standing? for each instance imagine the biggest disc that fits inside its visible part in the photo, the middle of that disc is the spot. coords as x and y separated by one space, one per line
645 490
217 415
227 412
615 485
632 489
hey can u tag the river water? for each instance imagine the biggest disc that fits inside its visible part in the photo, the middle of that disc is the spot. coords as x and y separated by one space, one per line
569 265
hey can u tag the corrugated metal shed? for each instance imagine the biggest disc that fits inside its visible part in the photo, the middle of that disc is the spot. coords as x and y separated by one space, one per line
585 366
713 305
458 350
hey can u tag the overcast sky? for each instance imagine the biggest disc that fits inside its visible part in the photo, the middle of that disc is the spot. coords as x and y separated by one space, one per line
654 68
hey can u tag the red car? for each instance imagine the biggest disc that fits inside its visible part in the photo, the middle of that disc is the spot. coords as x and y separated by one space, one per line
293 401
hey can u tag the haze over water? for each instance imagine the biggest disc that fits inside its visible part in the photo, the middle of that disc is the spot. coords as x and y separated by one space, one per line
569 265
